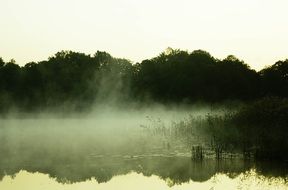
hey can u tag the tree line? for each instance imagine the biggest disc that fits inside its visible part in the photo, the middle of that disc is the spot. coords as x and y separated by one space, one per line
76 80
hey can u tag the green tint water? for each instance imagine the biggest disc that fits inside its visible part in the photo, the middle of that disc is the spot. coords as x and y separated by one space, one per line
115 153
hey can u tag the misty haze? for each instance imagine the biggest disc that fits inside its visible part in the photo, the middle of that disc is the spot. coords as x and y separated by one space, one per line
131 94
184 117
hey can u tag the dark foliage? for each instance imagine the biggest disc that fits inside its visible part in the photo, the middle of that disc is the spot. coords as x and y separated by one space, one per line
275 79
258 130
180 76
67 80
264 128
75 81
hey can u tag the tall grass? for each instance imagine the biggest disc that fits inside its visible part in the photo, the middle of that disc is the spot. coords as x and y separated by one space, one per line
258 130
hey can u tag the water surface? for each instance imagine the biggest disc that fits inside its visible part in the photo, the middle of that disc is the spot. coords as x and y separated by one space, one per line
99 153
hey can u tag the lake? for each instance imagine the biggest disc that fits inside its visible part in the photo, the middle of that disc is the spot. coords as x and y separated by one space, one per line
117 153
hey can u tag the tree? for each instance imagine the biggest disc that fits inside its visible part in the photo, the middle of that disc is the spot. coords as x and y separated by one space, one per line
2 63
275 79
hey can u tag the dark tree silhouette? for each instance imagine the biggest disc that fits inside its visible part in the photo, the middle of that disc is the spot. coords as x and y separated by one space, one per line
275 79
76 81
178 75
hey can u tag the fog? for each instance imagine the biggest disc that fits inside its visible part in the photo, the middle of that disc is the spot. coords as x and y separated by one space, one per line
105 142
115 140
105 131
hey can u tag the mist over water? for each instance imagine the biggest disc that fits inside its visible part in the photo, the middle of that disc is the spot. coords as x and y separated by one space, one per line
104 138
99 118
112 141
105 130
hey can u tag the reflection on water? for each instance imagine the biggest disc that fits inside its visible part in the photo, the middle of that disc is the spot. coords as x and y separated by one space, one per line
146 172
58 154
248 180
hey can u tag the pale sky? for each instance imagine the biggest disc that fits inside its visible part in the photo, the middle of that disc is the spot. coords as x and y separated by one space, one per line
253 30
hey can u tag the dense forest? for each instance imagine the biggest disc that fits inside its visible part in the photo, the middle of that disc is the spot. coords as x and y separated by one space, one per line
76 80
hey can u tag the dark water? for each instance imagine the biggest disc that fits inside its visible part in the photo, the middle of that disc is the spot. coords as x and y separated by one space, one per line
56 154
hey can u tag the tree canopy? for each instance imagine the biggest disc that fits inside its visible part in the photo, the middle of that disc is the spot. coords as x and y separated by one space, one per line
77 80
